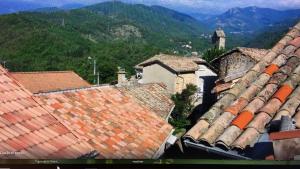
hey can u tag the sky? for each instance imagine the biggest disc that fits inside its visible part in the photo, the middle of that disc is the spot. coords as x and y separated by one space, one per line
201 6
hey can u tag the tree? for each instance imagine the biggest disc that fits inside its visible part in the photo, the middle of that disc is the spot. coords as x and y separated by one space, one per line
213 53
183 107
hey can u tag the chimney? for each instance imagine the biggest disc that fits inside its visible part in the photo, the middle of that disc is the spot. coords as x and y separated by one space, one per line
121 76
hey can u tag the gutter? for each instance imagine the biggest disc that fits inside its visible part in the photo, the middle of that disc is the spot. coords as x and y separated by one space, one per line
215 150
178 75
157 153
167 118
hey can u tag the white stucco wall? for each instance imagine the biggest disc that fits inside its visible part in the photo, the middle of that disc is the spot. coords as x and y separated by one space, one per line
222 43
157 74
185 79
203 72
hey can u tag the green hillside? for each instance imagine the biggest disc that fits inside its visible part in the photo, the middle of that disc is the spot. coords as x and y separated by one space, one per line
117 34
266 38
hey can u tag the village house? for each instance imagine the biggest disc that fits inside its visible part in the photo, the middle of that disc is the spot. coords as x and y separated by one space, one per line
29 131
153 95
233 65
242 123
111 122
176 72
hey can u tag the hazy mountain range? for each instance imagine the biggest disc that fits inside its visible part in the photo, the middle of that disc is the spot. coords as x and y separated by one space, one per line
249 19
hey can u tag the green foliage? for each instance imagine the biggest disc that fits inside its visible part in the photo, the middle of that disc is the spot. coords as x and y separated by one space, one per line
212 53
183 107
37 41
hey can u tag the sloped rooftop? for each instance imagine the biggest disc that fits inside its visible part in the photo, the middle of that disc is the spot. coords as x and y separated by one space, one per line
254 53
177 64
37 82
110 120
268 91
29 131
153 95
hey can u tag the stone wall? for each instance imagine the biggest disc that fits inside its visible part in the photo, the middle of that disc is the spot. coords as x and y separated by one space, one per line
234 66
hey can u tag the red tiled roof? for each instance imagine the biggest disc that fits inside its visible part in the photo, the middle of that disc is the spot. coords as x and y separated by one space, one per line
269 93
175 63
285 135
254 53
110 120
29 131
37 82
153 95
222 87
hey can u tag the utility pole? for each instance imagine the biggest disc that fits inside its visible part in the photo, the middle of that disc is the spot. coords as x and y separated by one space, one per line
95 66
94 71
98 78
4 64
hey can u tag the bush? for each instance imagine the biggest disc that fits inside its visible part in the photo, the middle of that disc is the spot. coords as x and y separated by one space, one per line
212 53
183 107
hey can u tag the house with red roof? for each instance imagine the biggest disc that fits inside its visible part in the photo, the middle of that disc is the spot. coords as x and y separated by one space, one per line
29 131
239 124
110 120
73 119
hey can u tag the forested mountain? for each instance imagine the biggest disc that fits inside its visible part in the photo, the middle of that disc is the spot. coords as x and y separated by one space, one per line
116 34
120 34
267 37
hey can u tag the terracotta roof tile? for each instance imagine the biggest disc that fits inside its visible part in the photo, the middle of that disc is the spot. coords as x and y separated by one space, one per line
267 98
295 42
100 124
285 135
297 119
22 119
175 63
37 82
222 87
154 96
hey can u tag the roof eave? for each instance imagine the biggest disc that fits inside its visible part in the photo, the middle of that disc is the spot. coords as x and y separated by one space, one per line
215 150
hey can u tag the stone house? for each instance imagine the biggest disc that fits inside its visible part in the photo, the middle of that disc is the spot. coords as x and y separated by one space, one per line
176 72
241 124
233 65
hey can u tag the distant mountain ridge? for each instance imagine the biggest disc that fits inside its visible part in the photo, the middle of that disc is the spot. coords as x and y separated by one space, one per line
249 19
11 6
